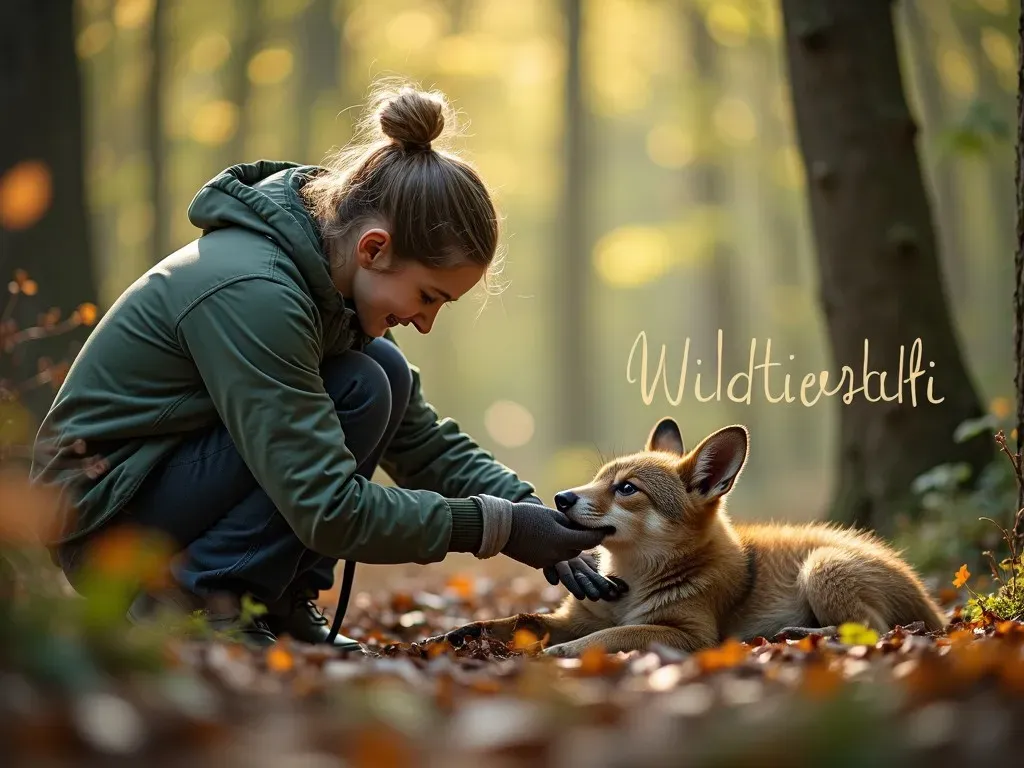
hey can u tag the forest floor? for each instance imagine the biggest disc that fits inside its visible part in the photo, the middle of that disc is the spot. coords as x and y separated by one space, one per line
905 698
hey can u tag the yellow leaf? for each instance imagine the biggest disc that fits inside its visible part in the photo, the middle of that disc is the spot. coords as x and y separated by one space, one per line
852 633
1000 407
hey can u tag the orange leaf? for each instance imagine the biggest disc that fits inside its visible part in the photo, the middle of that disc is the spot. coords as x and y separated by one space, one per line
485 685
820 681
87 313
729 654
960 637
1000 407
379 746
129 552
961 576
592 660
402 603
462 586
279 659
524 640
808 643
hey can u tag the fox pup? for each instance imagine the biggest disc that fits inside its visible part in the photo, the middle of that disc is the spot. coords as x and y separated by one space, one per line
696 578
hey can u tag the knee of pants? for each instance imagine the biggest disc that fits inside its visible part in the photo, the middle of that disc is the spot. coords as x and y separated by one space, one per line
390 358
359 388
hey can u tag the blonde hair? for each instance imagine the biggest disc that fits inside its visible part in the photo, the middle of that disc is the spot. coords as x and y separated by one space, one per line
437 208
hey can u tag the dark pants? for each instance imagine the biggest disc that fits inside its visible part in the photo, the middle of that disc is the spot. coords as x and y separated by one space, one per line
231 536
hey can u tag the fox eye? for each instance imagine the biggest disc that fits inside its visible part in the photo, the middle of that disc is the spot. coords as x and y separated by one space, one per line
625 489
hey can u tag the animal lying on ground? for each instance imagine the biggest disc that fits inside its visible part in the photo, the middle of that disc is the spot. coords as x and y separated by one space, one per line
696 578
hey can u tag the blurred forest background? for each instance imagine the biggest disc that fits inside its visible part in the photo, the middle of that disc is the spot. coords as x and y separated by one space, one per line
643 155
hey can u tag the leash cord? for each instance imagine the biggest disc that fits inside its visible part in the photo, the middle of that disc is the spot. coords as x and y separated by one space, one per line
346 592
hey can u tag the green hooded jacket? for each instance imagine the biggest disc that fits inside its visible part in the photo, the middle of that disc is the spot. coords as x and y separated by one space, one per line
234 327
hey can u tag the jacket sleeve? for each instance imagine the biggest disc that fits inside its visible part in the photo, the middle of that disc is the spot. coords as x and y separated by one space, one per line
433 453
255 344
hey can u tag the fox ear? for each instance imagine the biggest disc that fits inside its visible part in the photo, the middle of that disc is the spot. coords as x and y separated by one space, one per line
666 437
717 461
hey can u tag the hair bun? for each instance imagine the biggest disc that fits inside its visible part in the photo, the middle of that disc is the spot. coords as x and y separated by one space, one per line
413 118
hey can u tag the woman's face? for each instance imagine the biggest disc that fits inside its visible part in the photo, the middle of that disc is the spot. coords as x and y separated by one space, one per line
387 292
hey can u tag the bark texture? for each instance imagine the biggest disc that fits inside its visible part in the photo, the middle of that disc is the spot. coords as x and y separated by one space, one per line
879 274
1018 263
41 92
575 396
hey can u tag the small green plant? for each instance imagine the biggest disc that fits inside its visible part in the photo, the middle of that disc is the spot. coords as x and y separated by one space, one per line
1006 601
954 527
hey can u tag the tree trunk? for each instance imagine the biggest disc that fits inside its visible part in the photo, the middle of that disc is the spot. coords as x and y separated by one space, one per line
1018 263
709 182
41 143
237 86
879 274
948 202
320 39
155 146
573 265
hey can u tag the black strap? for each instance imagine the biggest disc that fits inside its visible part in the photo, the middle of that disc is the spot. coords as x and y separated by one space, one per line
346 592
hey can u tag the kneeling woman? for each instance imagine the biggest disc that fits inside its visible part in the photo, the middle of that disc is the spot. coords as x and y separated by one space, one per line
239 395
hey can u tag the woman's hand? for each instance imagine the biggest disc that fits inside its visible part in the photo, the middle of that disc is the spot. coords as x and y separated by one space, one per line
532 534
580 575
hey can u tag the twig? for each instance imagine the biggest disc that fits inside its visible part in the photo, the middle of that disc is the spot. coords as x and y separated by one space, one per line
41 332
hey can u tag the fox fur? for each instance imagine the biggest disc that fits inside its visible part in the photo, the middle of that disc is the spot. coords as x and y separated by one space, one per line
696 578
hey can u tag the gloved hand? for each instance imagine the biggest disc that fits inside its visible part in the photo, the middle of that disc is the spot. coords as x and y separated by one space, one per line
535 535
581 577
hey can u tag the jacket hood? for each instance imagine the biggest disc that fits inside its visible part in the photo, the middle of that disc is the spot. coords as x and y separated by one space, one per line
264 197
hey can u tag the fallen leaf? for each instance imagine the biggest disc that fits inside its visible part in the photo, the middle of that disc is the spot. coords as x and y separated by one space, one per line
725 656
463 586
852 633
820 681
279 659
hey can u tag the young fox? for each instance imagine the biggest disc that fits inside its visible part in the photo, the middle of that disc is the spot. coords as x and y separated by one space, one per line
695 578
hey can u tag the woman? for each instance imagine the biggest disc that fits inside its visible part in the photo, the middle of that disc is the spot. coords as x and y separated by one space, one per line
240 394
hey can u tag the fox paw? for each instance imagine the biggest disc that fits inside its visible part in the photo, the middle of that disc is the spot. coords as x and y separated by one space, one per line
798 633
563 650
458 637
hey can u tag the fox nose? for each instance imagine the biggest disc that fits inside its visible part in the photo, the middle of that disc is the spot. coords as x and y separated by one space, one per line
565 500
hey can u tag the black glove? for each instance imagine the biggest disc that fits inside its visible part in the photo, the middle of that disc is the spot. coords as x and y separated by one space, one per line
580 575
532 534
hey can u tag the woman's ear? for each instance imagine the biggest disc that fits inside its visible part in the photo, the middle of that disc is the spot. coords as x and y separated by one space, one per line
373 249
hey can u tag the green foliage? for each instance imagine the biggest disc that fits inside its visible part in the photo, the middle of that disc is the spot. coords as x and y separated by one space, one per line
978 132
951 531
1007 602
961 525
